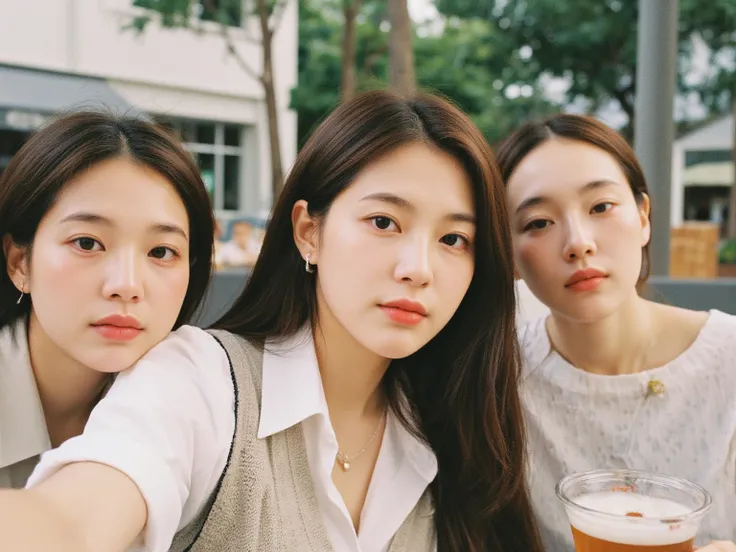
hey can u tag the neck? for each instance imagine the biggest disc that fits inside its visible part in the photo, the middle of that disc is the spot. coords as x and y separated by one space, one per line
68 389
615 345
351 374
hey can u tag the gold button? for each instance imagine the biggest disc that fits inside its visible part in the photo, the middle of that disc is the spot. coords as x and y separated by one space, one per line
655 388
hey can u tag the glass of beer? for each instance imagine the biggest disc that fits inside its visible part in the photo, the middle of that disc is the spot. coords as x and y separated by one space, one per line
632 511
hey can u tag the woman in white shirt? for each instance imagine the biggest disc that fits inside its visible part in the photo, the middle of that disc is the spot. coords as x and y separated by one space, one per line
611 380
106 233
384 296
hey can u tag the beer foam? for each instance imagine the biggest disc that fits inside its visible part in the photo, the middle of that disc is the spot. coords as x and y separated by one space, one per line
630 530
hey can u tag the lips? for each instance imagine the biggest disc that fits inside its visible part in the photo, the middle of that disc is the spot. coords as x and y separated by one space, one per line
407 305
118 327
404 312
583 275
119 321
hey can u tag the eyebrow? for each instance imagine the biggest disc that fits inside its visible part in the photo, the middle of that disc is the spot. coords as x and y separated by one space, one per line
539 200
402 203
94 218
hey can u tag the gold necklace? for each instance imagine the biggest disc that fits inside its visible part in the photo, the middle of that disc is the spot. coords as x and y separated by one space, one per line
344 460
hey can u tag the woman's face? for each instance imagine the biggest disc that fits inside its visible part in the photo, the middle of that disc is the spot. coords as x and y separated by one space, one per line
109 266
394 254
577 229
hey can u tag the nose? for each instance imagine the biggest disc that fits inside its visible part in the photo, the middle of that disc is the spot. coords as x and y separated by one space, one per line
124 278
414 264
579 242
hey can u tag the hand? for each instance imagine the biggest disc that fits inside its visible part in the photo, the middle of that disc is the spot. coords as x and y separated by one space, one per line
718 546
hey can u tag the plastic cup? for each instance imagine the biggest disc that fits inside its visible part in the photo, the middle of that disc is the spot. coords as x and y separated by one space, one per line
632 511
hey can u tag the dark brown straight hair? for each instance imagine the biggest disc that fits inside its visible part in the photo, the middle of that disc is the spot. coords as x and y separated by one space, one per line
72 144
580 128
461 388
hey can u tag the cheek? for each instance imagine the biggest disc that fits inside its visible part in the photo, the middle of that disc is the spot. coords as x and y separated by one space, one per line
57 272
349 252
452 277
533 257
166 289
624 234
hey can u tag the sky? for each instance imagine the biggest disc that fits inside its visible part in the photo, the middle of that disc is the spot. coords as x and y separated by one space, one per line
421 10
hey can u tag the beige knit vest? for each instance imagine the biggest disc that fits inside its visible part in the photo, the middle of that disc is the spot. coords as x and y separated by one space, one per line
265 500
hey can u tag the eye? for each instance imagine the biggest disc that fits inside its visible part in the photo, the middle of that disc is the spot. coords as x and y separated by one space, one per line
382 223
602 207
86 243
539 224
163 253
455 241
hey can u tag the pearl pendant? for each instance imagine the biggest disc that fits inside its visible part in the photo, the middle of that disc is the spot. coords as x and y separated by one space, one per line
345 465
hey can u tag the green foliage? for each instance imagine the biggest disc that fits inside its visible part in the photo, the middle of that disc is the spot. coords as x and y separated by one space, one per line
727 253
181 13
467 62
594 43
170 13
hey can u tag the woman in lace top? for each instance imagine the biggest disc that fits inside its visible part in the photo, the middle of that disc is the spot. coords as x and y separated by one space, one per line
611 380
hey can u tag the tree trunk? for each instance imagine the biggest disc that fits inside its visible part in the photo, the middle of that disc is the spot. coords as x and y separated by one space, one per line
348 84
267 79
731 230
401 51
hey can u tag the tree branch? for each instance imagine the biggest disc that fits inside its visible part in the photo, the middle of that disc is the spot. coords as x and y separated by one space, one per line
277 15
233 51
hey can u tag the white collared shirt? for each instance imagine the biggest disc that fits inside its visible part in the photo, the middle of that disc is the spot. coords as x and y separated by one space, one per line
23 432
168 424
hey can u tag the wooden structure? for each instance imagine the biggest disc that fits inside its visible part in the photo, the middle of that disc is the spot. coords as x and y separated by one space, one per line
694 250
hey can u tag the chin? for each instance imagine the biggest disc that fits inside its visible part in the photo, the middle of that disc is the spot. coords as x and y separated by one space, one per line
395 346
111 364
589 310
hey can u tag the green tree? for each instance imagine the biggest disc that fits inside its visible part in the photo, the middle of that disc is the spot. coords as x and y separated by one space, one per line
465 60
402 74
321 43
187 14
469 63
593 44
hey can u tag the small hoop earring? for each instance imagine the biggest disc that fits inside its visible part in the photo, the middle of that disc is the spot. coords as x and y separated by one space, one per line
20 298
307 266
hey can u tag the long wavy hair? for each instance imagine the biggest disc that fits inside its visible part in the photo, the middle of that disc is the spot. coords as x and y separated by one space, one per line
461 387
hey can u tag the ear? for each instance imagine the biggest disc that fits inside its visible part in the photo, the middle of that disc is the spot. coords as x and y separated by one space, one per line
306 232
16 263
644 207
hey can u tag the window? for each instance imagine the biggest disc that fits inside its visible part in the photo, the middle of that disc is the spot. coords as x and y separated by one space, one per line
695 157
218 150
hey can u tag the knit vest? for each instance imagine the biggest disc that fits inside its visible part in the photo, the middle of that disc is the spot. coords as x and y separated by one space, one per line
265 500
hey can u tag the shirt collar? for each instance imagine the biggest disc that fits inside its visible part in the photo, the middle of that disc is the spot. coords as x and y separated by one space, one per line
23 432
292 386
416 451
292 392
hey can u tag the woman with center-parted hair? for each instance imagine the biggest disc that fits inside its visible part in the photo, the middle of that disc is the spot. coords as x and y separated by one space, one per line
611 379
361 393
106 234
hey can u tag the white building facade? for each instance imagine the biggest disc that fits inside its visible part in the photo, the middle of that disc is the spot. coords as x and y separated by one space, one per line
57 55
703 173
